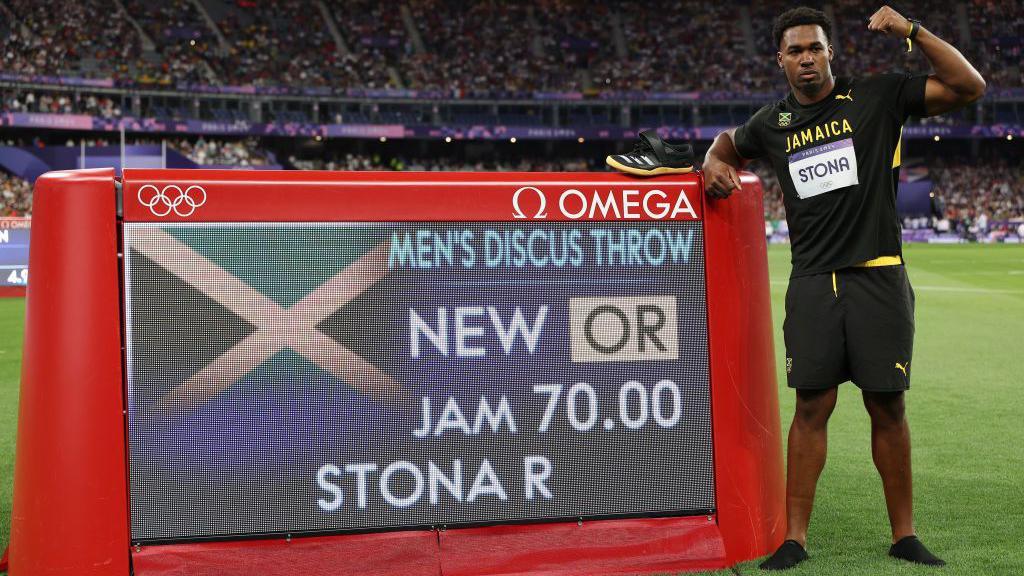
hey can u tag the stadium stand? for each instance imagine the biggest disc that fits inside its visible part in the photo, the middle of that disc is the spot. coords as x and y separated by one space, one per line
349 161
270 43
377 42
16 100
450 65
179 37
667 42
66 37
993 188
549 45
455 36
241 153
997 33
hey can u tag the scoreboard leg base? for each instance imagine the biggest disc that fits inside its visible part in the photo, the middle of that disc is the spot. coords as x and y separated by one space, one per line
411 553
596 547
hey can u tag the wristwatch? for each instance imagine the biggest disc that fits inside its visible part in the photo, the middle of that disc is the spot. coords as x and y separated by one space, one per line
915 26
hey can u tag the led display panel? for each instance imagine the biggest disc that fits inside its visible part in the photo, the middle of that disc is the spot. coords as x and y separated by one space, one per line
325 377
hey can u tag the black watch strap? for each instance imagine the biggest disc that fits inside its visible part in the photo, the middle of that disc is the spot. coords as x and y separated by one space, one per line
915 27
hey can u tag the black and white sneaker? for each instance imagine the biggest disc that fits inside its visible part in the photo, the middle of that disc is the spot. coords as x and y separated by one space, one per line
653 156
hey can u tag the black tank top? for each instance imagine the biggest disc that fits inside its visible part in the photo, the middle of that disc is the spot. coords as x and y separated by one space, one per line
837 161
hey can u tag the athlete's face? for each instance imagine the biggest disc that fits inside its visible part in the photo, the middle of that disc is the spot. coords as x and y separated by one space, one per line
805 55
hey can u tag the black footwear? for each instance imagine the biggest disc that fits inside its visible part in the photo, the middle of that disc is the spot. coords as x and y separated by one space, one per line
787 556
912 550
652 156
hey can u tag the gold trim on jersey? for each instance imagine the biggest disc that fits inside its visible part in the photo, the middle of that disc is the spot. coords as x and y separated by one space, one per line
899 145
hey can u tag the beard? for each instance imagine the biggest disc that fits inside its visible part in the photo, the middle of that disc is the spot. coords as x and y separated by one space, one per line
809 87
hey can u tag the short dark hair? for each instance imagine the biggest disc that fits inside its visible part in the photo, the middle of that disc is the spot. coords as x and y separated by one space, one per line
799 17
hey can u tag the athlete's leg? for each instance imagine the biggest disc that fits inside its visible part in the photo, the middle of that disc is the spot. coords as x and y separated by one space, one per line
816 363
890 449
808 441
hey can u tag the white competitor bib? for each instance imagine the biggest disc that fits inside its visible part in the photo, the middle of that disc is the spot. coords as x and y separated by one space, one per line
823 168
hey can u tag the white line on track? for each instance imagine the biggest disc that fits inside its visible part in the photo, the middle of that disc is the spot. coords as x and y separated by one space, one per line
984 272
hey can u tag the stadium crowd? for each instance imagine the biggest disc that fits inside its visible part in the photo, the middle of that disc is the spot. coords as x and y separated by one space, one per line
998 27
975 194
481 47
679 46
179 37
376 40
284 42
376 162
16 195
210 151
16 100
87 38
474 47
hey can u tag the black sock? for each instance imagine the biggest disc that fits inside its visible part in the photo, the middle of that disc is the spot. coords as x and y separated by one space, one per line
912 550
788 555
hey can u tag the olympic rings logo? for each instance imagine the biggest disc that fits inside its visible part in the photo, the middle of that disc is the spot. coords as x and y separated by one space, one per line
172 199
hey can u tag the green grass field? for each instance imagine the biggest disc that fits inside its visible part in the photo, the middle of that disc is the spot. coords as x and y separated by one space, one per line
965 411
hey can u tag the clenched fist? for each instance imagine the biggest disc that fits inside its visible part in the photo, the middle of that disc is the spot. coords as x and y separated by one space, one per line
890 22
720 179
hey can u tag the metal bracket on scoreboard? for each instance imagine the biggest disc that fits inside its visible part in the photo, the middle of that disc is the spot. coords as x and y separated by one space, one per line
119 197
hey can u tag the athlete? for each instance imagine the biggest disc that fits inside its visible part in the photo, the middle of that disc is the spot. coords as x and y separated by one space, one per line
835 145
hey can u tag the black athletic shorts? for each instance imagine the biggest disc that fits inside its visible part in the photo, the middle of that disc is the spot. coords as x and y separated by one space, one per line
852 324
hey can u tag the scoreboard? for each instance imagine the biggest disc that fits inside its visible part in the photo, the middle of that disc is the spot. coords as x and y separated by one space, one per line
532 363
311 377
14 238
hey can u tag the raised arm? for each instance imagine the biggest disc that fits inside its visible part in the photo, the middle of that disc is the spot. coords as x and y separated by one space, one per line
720 166
955 82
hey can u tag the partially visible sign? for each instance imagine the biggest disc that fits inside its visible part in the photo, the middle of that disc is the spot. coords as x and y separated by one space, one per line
14 236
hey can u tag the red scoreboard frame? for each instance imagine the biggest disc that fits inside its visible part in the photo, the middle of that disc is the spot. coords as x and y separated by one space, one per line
70 510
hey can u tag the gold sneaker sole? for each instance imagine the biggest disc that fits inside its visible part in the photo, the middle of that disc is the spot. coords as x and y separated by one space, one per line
652 172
